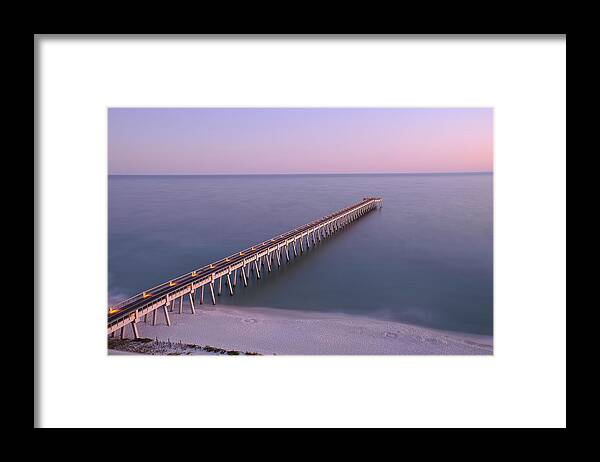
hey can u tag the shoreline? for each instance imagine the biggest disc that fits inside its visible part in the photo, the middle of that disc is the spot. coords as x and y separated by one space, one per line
269 331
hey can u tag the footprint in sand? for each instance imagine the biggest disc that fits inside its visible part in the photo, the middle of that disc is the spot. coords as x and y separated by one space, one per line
250 321
390 335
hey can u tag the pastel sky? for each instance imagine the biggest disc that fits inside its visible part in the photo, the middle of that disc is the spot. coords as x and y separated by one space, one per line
162 141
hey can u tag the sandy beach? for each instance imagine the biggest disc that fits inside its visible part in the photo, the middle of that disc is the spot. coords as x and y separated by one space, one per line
270 331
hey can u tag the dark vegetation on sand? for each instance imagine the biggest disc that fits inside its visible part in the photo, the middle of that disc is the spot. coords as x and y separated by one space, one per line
159 347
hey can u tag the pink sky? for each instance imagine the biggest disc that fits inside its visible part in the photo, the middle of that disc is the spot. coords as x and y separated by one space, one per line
269 140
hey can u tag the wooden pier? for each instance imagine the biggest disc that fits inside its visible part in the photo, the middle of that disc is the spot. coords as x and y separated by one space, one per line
230 270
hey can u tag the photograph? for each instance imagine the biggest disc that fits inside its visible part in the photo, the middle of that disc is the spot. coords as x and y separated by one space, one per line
300 231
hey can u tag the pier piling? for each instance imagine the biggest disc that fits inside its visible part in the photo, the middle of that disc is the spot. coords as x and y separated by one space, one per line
229 285
212 293
192 307
167 319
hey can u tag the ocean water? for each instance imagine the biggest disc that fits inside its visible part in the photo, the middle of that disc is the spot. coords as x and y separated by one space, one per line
425 258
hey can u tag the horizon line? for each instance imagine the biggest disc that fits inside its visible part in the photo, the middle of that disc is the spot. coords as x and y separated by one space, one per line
303 173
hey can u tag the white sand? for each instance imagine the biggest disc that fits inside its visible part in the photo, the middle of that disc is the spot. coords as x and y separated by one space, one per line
275 331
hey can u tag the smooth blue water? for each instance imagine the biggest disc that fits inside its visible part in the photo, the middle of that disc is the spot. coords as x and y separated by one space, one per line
425 258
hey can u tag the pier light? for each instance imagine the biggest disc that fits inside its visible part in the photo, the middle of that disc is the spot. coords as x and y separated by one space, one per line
194 273
211 266
146 294
113 310
241 253
172 283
